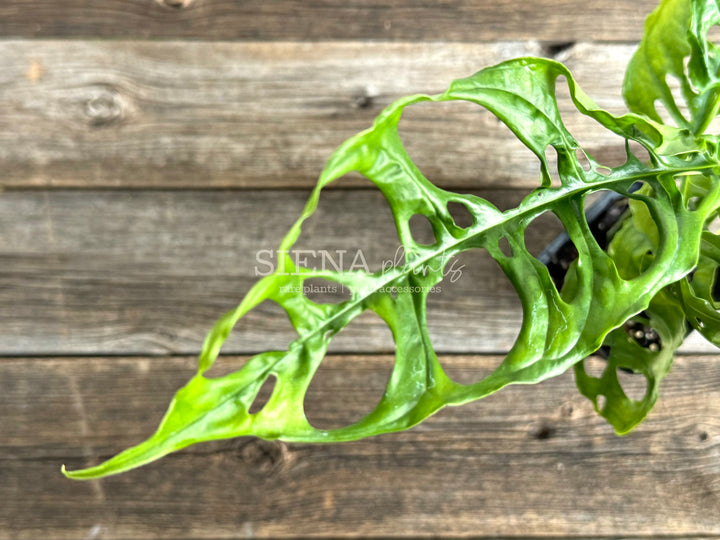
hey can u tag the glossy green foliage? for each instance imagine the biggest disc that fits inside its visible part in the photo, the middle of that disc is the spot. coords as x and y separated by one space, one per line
558 330
676 46
646 343
675 52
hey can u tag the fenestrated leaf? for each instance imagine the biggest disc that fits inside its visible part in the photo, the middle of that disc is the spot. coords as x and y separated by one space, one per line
699 293
663 320
646 343
676 44
556 331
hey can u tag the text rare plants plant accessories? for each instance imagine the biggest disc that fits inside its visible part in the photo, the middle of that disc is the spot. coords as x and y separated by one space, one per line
658 273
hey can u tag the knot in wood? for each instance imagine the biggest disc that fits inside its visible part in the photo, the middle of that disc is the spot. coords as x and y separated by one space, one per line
175 4
105 106
263 457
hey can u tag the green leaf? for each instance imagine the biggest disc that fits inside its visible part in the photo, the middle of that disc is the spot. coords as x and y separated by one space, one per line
685 304
663 325
646 342
556 331
698 292
676 45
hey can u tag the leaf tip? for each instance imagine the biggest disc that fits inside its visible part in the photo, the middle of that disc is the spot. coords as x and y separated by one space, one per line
72 475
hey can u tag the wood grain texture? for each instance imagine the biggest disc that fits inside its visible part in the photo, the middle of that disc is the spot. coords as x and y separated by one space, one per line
148 272
455 20
525 462
188 114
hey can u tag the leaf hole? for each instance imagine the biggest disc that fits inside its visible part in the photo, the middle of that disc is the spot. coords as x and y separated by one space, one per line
595 140
693 203
602 170
582 158
263 395
634 385
324 291
459 143
713 34
367 333
461 215
551 158
505 247
640 152
421 230
676 90
265 327
595 366
351 230
345 388
547 240
686 74
504 199
542 230
662 112
714 225
601 401
472 287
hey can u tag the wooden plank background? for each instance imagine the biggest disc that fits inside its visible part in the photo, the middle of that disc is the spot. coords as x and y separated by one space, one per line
285 20
150 149
178 114
528 461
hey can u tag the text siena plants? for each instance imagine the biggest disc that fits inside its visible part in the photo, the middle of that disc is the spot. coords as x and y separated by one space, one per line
657 277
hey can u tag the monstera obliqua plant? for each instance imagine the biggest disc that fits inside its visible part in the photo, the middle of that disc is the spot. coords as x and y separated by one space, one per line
659 272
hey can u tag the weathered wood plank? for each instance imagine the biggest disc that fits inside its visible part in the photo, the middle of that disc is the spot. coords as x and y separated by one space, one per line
457 20
528 461
148 272
179 114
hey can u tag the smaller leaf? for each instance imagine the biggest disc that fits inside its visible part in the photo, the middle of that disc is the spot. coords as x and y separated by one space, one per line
698 293
675 44
645 346
646 343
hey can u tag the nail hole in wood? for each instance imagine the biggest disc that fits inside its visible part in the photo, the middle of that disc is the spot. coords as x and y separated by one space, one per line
555 50
541 432
175 4
363 98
